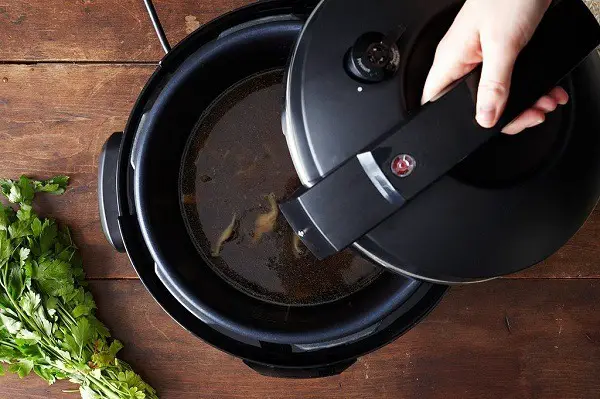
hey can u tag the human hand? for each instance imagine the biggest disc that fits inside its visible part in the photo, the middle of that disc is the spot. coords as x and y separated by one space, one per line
493 32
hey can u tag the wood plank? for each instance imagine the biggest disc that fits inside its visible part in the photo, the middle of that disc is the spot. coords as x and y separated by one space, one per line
91 30
56 117
464 349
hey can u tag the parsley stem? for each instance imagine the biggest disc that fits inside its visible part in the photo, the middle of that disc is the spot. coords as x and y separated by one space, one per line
61 309
106 388
9 344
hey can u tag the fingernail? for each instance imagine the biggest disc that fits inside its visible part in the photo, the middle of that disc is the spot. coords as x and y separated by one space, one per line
537 122
486 115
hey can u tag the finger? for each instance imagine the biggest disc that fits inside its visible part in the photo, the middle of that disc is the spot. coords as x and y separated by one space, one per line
498 63
530 118
447 68
559 95
546 104
534 116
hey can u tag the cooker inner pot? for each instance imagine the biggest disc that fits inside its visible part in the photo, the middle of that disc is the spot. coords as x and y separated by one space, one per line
157 154
235 166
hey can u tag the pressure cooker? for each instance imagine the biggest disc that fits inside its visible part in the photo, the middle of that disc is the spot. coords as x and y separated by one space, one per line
284 196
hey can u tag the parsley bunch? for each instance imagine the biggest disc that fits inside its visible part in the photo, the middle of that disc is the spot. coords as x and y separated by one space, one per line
47 321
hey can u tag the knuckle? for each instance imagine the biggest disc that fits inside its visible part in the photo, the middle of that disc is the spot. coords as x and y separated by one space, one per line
507 46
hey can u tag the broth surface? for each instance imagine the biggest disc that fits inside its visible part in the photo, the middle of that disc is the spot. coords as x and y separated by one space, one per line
236 159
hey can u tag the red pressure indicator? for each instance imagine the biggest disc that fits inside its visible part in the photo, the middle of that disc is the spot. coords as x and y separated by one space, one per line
403 165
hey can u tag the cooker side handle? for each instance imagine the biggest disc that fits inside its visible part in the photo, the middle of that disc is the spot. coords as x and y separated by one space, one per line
107 191
300 373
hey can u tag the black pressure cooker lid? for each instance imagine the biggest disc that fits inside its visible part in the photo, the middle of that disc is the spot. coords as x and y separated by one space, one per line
385 175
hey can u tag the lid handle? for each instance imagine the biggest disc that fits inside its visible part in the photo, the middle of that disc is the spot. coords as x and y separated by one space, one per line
370 187
565 36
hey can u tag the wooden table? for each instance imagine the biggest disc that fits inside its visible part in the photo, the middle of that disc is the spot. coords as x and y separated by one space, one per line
69 74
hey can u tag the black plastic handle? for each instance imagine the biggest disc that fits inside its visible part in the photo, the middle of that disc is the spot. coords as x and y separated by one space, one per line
567 34
300 373
107 191
365 190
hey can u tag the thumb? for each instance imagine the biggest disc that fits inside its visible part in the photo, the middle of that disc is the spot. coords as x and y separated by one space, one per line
494 86
448 67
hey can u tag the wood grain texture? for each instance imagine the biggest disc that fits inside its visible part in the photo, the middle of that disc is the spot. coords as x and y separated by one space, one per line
56 117
464 349
97 30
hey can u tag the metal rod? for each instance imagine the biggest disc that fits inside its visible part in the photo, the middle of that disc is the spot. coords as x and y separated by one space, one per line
162 37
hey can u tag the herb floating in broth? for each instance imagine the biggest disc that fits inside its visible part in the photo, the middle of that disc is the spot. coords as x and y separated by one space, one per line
297 243
189 199
47 317
265 223
226 235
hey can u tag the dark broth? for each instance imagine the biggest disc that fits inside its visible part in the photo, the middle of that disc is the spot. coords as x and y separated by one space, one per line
236 157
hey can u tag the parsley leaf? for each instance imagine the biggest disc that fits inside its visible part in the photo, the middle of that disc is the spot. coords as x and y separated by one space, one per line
6 248
26 188
26 337
18 192
85 307
22 368
82 333
24 214
7 354
43 322
57 185
14 194
16 281
19 229
6 216
13 326
29 302
23 190
36 227
47 373
47 236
